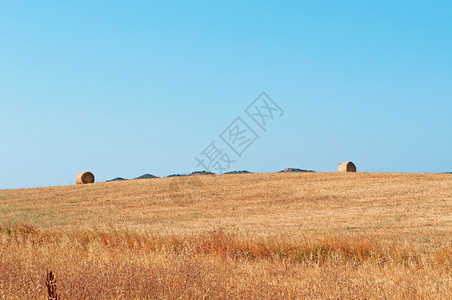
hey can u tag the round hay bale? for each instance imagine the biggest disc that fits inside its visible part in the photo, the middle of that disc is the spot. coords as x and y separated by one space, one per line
84 178
347 166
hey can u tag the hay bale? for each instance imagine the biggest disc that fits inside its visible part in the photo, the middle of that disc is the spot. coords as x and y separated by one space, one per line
84 178
347 166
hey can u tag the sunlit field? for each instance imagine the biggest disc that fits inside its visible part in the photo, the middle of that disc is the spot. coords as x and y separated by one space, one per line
278 235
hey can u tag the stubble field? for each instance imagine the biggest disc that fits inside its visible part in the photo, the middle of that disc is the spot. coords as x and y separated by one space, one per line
277 235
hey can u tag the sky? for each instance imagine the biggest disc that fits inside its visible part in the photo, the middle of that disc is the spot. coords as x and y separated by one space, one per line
123 88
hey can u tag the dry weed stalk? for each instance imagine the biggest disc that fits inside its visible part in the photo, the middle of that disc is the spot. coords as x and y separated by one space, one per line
51 286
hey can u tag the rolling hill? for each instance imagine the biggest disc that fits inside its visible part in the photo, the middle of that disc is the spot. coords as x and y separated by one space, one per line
300 234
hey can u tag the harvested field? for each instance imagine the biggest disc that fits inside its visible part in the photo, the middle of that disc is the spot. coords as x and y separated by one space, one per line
284 235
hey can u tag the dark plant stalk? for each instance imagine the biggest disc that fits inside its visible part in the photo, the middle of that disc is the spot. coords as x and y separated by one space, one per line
51 286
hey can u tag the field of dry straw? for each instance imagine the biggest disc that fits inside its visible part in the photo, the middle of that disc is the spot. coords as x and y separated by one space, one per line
248 236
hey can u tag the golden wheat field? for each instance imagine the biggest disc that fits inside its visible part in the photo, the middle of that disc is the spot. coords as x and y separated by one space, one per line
247 236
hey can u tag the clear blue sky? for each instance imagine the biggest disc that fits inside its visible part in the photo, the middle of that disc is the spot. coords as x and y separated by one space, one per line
123 88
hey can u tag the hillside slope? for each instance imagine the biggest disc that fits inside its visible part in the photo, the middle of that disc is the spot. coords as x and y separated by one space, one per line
291 203
283 235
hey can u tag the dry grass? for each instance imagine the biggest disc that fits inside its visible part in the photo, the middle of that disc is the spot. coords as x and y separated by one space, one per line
330 235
